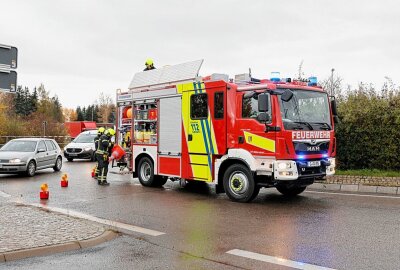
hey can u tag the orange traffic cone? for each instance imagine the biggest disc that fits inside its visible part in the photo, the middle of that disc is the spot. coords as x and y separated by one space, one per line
64 180
44 193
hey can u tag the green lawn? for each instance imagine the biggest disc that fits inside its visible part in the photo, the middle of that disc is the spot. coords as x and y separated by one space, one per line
366 172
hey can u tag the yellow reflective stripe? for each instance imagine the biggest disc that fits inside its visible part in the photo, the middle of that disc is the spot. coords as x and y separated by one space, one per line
259 141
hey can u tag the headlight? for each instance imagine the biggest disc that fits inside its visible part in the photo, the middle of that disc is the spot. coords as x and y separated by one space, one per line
284 165
15 160
65 148
88 149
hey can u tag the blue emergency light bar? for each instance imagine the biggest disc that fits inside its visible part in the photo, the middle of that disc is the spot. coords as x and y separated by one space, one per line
275 76
312 81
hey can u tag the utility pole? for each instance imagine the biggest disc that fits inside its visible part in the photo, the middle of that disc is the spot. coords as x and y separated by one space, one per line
332 87
44 128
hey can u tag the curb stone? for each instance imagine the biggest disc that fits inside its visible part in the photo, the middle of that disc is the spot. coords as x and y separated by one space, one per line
356 188
48 250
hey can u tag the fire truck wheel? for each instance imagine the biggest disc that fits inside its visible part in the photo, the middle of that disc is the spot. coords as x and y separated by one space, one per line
239 183
146 174
290 191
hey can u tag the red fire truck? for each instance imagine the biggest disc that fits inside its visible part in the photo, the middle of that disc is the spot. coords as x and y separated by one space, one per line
239 134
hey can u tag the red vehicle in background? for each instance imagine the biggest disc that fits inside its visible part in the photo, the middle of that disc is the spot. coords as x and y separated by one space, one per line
77 127
240 135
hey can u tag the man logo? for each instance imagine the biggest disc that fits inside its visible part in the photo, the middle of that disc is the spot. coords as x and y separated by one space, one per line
313 142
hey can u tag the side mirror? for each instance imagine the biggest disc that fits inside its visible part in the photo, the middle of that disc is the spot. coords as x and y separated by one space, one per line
334 107
41 150
287 95
263 117
263 101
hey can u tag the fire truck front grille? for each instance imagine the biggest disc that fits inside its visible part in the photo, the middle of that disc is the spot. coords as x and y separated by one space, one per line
74 150
304 148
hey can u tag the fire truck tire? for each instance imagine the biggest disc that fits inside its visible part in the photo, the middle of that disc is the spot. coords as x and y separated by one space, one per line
239 183
290 191
146 174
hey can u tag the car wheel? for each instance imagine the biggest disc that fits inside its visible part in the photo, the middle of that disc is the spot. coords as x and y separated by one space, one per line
239 183
290 192
58 165
70 159
31 169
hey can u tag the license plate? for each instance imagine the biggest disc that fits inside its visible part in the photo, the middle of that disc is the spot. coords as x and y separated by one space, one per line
313 163
73 155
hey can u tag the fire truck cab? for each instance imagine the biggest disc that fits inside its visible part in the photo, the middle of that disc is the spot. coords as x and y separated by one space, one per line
240 135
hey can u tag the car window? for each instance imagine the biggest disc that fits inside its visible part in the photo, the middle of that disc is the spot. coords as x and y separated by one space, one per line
50 145
19 146
85 138
42 145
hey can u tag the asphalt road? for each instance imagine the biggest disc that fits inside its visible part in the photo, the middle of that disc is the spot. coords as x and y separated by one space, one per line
322 229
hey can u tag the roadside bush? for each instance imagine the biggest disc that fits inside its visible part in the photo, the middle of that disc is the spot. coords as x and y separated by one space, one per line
369 132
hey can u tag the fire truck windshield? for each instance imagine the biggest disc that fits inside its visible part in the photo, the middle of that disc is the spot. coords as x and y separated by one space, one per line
306 110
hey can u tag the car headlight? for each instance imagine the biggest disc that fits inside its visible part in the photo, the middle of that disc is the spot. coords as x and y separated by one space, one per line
65 148
284 165
15 160
88 149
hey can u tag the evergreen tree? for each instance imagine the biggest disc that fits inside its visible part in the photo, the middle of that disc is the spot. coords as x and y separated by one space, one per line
18 101
88 114
33 100
57 109
79 114
84 113
95 113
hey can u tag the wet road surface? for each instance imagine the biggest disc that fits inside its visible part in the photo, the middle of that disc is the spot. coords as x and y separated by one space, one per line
323 229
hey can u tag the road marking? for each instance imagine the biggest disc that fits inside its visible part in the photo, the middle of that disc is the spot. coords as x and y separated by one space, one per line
118 226
276 260
4 195
352 194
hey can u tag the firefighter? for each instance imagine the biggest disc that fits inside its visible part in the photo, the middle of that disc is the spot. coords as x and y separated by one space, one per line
103 152
100 132
149 65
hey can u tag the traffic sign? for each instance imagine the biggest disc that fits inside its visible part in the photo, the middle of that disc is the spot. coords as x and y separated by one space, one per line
8 80
8 57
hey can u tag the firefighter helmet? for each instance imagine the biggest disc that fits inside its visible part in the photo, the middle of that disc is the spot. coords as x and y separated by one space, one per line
110 132
101 130
149 62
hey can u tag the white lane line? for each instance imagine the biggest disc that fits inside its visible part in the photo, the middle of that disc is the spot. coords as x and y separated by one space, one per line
122 227
4 195
352 194
276 260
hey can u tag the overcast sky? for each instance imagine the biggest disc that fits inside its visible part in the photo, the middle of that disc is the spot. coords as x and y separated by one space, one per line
78 49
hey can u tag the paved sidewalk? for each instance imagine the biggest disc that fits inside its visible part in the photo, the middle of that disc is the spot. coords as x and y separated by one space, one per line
25 227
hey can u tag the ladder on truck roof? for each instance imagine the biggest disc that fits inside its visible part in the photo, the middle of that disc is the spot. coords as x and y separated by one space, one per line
168 75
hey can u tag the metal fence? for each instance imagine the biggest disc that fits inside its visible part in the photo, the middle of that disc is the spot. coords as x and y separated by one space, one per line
61 140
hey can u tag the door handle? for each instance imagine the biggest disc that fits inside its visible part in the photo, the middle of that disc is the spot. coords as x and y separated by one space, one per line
190 137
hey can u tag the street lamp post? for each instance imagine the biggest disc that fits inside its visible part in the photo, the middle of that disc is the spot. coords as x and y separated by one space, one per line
332 87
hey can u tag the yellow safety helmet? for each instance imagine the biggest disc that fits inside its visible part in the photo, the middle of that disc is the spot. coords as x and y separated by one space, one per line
110 132
101 130
149 62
